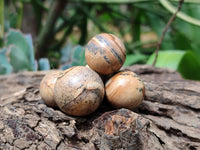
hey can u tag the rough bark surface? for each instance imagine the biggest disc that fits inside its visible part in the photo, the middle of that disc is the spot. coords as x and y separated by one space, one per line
169 117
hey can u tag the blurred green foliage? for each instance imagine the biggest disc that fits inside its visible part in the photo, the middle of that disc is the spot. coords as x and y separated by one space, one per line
186 62
46 38
17 53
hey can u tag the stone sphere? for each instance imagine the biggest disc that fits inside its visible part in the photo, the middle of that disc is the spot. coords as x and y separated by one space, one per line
125 90
79 91
105 53
47 87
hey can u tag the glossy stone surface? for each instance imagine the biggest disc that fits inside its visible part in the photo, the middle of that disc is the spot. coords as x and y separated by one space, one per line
79 91
47 87
105 53
125 90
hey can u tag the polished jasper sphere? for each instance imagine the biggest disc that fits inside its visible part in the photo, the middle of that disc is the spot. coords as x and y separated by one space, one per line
47 87
105 53
125 90
79 91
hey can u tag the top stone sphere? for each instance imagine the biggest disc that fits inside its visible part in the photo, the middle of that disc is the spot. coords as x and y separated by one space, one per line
105 53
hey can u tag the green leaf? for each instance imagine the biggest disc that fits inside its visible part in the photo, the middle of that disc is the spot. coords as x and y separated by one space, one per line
134 58
32 61
16 38
191 32
158 25
181 41
168 59
105 17
24 44
3 51
72 56
5 67
66 53
186 62
78 56
18 59
64 67
189 66
43 64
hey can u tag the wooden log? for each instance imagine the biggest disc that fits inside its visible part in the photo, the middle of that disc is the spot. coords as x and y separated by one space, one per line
169 117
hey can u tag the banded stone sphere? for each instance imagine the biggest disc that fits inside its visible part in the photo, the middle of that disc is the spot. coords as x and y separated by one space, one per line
125 90
105 53
79 91
47 87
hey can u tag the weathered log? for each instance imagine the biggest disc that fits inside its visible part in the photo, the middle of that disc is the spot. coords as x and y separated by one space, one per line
169 117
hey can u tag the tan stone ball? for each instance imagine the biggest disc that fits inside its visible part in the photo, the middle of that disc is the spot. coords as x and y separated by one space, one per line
47 87
105 53
125 90
79 91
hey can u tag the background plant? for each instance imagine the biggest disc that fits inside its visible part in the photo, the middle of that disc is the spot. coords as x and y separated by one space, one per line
60 29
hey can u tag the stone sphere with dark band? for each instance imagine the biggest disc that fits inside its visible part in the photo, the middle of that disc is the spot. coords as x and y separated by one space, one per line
105 53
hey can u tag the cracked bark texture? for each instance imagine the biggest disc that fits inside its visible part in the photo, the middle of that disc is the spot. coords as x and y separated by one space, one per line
168 119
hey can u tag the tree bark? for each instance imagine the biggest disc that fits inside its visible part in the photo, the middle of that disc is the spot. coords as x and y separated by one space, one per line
168 118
